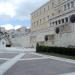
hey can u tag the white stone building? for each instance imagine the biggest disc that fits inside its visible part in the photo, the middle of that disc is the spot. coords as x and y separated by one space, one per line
18 37
53 24
2 43
54 21
4 38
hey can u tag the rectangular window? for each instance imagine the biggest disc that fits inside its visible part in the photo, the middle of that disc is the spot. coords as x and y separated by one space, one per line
72 4
48 7
62 20
48 17
66 19
40 12
53 23
65 7
50 24
44 9
59 21
52 4
40 21
68 5
56 22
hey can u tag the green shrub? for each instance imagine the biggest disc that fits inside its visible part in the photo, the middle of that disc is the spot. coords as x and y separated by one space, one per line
59 50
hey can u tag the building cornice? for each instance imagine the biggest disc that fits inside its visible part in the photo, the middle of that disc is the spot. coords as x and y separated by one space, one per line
40 7
64 2
62 14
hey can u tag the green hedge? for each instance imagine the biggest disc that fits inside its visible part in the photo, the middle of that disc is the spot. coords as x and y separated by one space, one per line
58 50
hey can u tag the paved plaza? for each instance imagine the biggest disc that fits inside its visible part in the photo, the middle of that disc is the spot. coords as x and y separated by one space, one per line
31 63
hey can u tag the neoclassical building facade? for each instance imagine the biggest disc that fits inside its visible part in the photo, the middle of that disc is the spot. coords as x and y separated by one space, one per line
53 24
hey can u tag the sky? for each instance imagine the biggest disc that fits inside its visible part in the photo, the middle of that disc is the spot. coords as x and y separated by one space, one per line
16 13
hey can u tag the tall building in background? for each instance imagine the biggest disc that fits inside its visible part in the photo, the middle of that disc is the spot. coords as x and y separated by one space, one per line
18 36
5 40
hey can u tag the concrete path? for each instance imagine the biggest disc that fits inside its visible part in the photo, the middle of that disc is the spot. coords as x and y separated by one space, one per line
73 73
7 65
31 63
17 49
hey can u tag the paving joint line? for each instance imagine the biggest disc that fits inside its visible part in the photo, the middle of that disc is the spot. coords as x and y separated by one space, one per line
33 58
56 58
8 64
72 73
5 58
59 59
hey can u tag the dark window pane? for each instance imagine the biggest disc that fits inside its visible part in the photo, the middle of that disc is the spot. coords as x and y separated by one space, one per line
62 20
59 21
56 22
66 19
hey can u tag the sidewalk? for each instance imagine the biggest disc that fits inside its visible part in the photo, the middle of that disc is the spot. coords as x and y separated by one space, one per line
73 73
17 49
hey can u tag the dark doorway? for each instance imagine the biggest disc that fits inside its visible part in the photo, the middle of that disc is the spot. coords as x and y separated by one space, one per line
8 45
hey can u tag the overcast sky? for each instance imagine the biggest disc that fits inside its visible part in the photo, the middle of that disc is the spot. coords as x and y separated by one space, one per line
16 13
